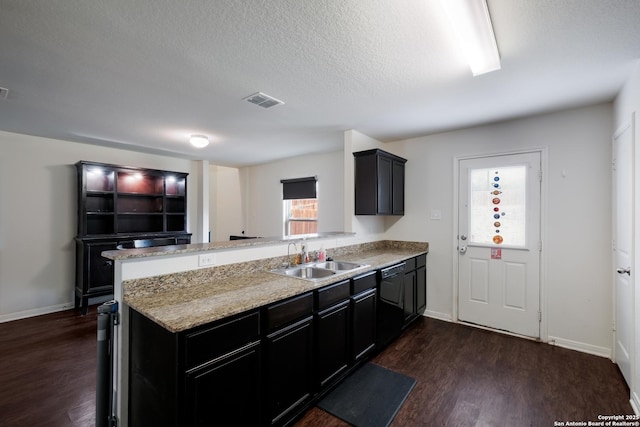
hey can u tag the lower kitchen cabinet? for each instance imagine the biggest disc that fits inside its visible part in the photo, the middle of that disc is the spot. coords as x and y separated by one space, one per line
209 375
409 297
363 314
289 358
415 288
421 289
266 366
364 324
332 333
226 391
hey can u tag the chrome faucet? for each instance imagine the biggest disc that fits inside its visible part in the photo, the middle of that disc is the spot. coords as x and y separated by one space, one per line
289 256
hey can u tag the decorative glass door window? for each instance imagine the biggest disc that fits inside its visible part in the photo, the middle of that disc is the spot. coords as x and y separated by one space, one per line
497 206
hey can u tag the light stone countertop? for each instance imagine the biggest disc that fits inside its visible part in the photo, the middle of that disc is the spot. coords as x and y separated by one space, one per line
228 244
182 301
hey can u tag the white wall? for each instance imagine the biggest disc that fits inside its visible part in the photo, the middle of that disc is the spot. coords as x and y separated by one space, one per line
626 103
355 141
577 248
38 217
264 191
226 208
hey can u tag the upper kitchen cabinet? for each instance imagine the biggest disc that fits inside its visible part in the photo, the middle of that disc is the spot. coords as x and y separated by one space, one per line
379 183
123 207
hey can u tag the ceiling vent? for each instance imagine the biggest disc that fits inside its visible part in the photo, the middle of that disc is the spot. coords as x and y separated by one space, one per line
4 92
263 100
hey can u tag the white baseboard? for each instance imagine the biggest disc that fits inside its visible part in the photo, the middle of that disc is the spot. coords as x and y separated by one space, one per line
635 403
35 312
560 342
437 315
579 346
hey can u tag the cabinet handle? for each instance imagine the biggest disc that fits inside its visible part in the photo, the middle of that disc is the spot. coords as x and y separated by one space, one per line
109 263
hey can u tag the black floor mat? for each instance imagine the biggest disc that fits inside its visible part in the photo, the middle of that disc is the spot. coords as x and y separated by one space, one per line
370 397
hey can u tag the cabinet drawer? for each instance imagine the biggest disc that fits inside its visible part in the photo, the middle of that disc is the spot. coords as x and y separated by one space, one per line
421 261
288 311
364 282
208 343
410 264
333 294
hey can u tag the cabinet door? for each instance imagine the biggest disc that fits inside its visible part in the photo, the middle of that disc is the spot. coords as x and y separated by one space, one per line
332 354
227 391
398 188
363 324
385 188
288 369
421 290
99 269
409 296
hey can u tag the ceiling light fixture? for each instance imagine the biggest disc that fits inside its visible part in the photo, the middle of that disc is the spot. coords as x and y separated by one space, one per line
472 23
199 141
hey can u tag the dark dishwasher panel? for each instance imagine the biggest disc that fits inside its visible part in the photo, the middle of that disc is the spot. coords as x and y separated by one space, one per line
390 304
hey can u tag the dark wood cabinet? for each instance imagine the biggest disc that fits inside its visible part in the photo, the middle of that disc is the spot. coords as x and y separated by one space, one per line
409 297
265 366
226 391
363 312
379 183
421 289
211 375
415 288
289 358
117 206
332 322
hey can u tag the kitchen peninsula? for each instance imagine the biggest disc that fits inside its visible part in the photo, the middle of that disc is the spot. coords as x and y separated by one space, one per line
183 303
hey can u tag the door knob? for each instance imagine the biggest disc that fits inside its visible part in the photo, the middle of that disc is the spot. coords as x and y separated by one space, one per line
463 249
463 237
624 270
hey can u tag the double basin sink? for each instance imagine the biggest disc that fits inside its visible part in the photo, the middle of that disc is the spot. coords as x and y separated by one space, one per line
319 270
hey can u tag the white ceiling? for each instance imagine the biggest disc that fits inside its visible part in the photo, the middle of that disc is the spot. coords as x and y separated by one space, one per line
145 74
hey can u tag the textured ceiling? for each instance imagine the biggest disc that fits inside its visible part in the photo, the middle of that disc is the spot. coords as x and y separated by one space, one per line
147 73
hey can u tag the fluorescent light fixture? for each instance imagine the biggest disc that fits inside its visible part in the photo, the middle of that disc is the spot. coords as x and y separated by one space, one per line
199 141
472 23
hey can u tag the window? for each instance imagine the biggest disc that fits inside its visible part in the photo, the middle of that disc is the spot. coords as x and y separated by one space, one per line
498 206
300 206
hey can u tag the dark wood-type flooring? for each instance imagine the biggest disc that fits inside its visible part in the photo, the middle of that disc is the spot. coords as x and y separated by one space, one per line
465 377
472 377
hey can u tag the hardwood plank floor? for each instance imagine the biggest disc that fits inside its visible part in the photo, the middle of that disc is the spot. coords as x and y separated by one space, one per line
48 370
472 377
465 377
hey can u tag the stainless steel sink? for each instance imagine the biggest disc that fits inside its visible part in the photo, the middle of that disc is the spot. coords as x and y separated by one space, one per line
308 272
338 265
319 270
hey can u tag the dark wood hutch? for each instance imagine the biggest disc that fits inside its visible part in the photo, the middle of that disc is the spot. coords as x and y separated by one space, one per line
123 207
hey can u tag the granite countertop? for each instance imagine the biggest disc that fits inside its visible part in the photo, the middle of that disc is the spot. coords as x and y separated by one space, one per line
182 301
230 244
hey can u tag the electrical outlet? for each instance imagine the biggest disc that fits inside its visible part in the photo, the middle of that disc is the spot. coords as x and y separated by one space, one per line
205 260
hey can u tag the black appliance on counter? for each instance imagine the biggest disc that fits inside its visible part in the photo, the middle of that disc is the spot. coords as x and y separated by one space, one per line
390 304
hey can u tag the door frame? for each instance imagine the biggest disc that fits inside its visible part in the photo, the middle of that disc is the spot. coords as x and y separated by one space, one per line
543 151
630 124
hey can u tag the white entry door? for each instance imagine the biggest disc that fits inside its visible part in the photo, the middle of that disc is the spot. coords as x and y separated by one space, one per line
499 242
623 247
